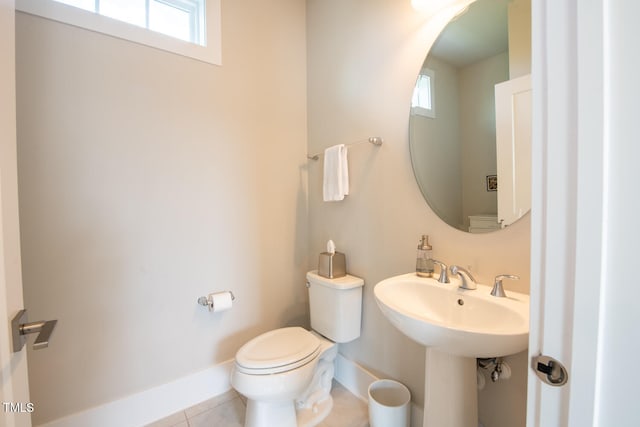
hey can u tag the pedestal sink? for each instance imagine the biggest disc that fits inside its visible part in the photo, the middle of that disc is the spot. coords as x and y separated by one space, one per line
457 326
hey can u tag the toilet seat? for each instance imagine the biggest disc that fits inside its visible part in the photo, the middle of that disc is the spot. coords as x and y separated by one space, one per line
277 351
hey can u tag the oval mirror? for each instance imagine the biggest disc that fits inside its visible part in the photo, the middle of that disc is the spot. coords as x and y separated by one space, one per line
470 123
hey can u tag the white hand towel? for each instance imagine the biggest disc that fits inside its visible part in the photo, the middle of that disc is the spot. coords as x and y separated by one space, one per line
336 173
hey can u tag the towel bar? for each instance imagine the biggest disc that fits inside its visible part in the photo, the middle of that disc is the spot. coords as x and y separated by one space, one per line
375 140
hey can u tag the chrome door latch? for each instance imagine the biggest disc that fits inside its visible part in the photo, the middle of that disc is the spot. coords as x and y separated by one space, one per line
20 328
550 371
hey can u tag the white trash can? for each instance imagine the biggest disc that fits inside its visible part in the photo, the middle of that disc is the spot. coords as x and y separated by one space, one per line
389 404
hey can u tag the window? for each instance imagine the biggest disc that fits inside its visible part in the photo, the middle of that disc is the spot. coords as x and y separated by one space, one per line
182 19
186 27
423 103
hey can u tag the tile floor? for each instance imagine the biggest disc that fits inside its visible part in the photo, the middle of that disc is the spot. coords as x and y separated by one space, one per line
227 410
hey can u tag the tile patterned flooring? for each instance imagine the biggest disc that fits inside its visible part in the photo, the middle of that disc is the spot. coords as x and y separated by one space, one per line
227 410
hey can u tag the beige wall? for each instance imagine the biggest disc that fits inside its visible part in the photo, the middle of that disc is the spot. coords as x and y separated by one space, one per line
519 38
363 58
147 180
478 133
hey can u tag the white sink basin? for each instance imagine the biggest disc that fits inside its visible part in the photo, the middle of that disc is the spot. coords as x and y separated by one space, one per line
468 323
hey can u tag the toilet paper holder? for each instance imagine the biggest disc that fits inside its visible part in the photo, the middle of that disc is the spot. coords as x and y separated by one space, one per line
208 301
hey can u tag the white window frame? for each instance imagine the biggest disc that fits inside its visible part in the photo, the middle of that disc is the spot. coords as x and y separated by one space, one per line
210 51
422 111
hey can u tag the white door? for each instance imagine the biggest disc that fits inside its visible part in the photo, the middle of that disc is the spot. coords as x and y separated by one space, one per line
14 390
513 148
585 203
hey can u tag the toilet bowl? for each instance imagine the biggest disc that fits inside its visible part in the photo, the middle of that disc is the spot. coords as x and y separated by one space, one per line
286 373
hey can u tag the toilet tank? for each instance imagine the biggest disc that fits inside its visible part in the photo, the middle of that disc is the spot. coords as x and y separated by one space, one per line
335 306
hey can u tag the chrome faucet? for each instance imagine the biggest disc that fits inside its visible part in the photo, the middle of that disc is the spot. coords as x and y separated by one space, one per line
498 290
444 277
471 284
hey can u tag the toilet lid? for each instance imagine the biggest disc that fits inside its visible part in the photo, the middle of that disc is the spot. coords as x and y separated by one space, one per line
279 350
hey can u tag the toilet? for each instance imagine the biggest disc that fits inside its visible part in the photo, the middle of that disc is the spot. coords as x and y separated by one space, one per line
286 374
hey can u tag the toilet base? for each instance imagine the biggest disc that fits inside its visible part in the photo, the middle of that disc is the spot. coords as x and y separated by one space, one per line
284 414
269 414
310 417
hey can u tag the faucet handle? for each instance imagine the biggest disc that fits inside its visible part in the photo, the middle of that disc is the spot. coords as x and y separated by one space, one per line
444 277
498 290
471 284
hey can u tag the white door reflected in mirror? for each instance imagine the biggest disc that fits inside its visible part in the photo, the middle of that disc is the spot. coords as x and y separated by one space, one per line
513 148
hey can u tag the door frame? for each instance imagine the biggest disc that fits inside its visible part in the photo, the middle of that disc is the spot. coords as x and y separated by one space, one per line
14 387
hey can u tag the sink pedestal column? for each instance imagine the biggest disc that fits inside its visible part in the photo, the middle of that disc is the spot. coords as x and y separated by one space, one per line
451 393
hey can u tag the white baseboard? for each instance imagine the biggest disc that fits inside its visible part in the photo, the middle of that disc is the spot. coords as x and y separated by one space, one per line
156 403
159 402
357 380
353 377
